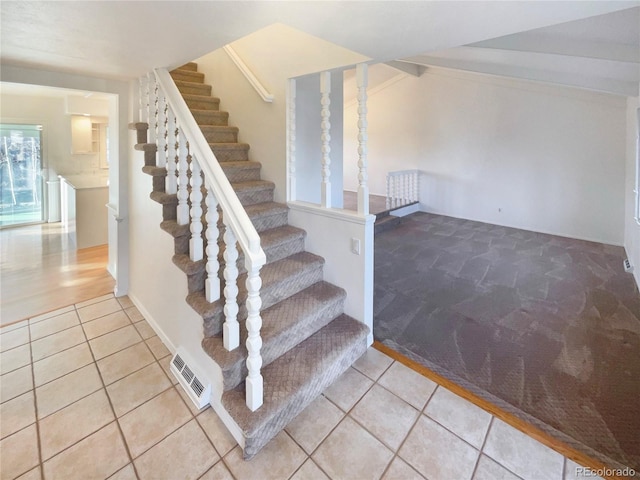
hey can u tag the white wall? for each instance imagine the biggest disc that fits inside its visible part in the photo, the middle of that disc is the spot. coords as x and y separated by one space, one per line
632 229
309 139
50 112
274 54
507 152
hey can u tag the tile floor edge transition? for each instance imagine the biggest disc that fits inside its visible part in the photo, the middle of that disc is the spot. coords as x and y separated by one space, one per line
509 418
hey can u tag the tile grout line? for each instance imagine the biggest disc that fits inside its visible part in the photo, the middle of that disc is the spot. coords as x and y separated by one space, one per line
484 442
35 407
104 388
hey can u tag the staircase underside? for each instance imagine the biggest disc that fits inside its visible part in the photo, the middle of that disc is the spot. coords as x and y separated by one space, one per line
308 341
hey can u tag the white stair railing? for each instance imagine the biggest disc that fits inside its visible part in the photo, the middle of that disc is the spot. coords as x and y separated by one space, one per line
403 188
186 154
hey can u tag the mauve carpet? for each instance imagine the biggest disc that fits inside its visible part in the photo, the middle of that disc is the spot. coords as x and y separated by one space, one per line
546 327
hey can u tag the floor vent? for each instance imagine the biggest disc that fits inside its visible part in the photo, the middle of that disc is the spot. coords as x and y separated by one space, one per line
182 366
627 266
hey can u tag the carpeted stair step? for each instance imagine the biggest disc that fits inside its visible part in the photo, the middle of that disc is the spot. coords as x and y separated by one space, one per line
158 177
168 201
210 117
193 88
277 244
187 76
141 129
295 379
254 191
284 326
150 150
191 66
220 133
201 102
280 280
266 216
230 152
180 234
242 171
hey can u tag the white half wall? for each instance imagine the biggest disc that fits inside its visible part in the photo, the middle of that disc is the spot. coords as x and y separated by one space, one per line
274 54
632 229
507 152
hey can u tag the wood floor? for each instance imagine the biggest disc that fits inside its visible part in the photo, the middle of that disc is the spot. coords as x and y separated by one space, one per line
40 271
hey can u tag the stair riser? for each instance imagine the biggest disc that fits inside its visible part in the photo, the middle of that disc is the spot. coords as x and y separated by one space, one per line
270 295
253 197
231 154
205 103
187 76
141 135
275 253
224 136
191 66
158 184
211 117
195 89
271 221
297 403
271 350
238 174
150 158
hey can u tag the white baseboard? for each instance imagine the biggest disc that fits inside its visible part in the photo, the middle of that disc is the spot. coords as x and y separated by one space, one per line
404 211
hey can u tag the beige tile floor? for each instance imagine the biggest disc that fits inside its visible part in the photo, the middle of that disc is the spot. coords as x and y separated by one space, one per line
86 393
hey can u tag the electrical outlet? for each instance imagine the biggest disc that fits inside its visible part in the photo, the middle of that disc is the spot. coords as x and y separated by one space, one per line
355 246
627 266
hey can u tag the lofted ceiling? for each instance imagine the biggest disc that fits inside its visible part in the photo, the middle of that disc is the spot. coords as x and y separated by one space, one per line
599 53
114 39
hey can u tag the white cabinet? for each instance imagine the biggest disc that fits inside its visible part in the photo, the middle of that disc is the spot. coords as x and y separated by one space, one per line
82 135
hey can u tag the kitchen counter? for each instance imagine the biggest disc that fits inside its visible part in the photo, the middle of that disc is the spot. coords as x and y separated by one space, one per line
84 214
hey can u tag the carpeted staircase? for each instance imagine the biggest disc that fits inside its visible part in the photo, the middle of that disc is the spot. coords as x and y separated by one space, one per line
307 339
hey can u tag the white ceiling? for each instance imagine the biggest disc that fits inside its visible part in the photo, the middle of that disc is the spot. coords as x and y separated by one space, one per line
598 53
113 39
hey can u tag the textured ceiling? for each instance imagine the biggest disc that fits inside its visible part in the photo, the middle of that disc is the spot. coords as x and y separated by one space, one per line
114 39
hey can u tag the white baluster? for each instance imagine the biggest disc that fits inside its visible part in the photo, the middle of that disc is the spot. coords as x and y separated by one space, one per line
231 327
195 242
142 105
405 188
414 195
161 130
363 188
388 199
292 139
171 183
153 107
254 382
212 283
325 100
183 181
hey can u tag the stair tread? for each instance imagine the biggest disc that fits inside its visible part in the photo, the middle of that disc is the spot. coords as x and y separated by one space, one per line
229 145
264 209
279 320
298 376
252 185
268 239
271 274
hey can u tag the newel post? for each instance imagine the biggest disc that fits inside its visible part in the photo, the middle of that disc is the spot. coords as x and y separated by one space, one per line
325 92
363 188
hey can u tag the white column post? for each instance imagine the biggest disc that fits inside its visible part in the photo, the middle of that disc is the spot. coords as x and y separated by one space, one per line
172 153
195 242
161 130
254 381
153 107
363 188
212 283
231 327
183 180
291 139
325 91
